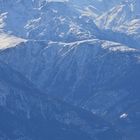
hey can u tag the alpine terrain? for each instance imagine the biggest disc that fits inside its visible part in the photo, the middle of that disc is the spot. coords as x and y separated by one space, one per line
69 69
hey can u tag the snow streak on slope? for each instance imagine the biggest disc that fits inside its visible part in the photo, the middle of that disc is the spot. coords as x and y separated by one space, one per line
8 41
131 28
120 14
115 17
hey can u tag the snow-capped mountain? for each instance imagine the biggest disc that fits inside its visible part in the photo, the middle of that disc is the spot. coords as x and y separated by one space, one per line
119 14
69 70
123 17
35 21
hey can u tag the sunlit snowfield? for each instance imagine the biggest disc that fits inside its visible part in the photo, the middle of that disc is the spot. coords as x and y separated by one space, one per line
69 69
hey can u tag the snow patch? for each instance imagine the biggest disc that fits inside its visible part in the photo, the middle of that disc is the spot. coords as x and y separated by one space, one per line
8 41
123 116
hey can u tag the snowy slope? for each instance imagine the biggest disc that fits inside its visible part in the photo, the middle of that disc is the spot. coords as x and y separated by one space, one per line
122 19
35 21
120 15
131 28
8 41
53 49
115 17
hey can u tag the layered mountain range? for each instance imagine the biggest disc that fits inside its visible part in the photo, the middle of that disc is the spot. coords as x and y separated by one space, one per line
69 70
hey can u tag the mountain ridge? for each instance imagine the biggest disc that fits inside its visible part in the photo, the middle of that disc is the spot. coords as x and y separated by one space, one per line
66 73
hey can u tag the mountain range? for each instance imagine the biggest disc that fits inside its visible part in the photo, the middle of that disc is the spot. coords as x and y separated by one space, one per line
69 70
